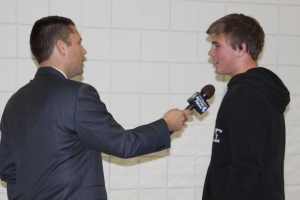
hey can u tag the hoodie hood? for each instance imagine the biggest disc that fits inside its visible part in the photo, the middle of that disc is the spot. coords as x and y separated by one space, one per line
268 82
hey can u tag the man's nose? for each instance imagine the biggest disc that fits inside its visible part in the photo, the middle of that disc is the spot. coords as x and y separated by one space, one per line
84 51
210 52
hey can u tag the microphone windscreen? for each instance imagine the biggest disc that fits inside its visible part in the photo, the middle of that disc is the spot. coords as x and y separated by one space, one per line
209 90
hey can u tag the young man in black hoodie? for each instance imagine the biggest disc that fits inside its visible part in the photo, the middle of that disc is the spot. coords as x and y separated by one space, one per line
249 137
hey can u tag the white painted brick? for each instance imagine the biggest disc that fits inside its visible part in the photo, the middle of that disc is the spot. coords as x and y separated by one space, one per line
153 172
125 45
204 45
26 71
184 142
67 8
154 78
155 14
97 43
23 41
294 2
267 16
8 74
4 96
125 77
245 9
287 23
153 107
242 1
184 15
292 140
181 172
290 81
126 14
208 13
96 13
179 100
8 40
125 108
202 164
288 53
181 193
183 47
199 191
3 196
7 11
291 169
31 10
204 139
292 192
270 51
124 194
205 74
97 74
183 78
266 1
155 46
124 173
151 194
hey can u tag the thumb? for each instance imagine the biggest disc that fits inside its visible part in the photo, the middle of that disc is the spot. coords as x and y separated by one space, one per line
188 112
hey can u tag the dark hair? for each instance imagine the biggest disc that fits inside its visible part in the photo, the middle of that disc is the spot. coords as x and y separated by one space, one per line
45 32
239 29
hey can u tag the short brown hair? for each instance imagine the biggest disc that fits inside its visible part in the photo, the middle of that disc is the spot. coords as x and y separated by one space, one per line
45 32
239 29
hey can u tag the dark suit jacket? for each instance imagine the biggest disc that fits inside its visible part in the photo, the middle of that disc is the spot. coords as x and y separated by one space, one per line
52 132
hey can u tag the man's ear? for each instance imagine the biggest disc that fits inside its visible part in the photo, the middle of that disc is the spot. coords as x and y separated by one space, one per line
242 51
61 47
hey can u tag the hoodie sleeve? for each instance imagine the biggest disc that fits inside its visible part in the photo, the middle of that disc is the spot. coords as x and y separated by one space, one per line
246 121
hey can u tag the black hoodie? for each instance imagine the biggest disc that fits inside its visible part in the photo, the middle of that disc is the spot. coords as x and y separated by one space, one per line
249 140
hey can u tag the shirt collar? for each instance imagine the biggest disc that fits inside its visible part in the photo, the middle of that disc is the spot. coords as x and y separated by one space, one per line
60 72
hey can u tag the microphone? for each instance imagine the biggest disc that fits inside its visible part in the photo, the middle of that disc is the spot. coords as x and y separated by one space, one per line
198 100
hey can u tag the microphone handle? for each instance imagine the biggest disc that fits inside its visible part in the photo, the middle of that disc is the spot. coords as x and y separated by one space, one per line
190 107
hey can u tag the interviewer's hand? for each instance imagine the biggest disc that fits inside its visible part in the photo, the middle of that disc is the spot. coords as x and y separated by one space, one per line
175 118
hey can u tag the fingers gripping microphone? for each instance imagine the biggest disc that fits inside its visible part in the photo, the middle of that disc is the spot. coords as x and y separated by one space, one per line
198 100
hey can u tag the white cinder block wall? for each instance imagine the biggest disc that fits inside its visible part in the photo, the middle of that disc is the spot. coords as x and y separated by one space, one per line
147 56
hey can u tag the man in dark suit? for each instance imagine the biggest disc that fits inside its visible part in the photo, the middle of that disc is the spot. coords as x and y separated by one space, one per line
53 128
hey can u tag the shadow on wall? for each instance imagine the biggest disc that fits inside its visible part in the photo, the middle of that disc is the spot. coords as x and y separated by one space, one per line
287 110
3 184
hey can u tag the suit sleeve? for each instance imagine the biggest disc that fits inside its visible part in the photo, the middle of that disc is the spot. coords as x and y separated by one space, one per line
7 165
98 129
246 121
